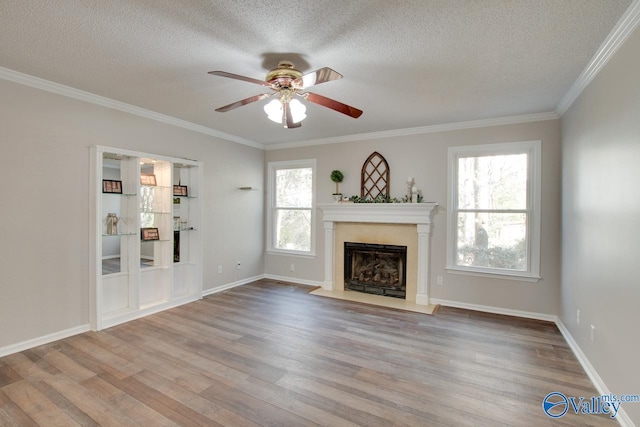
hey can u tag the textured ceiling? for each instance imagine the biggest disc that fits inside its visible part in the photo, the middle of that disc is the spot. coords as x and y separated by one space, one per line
405 63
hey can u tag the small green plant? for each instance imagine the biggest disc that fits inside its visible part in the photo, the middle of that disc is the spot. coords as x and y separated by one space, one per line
337 177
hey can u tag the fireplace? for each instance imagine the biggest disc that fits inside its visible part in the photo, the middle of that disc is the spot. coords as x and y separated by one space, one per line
406 224
376 269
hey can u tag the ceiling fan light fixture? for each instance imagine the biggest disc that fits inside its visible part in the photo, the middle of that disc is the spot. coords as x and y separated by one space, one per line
298 110
275 113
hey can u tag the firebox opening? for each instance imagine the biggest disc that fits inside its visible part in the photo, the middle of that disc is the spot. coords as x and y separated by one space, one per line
375 269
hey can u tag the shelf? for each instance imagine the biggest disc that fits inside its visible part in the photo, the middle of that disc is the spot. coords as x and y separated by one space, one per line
156 186
112 275
143 287
155 213
179 165
149 268
120 194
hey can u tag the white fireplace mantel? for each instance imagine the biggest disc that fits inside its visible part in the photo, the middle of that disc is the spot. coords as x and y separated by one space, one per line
383 213
419 214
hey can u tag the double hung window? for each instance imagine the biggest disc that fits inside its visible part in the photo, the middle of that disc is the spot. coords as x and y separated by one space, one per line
494 215
291 216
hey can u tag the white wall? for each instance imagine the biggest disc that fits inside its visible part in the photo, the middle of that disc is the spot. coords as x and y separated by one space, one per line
425 158
601 221
44 262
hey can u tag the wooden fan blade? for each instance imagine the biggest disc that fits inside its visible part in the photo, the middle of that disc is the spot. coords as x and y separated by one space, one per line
333 104
288 118
239 77
244 102
317 77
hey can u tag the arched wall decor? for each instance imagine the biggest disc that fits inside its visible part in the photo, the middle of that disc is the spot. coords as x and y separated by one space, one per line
374 177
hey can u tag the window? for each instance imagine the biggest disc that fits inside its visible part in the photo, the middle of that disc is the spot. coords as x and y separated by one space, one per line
291 217
493 226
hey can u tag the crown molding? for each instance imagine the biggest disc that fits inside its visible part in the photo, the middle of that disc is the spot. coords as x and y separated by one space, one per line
60 89
623 29
500 121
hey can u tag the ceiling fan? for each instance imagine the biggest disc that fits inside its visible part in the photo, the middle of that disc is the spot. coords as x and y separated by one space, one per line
286 82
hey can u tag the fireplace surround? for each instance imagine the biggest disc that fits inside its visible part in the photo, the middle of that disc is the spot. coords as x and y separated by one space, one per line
405 224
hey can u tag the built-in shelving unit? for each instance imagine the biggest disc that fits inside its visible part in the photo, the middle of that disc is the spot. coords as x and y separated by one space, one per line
146 240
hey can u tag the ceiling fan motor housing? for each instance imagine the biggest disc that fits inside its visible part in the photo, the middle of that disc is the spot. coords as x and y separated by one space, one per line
283 74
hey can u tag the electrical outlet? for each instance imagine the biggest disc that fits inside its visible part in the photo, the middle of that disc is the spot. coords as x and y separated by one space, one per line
292 268
439 280
578 316
238 265
219 269
593 334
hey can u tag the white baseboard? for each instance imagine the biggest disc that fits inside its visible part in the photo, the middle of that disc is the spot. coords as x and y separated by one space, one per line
262 276
35 342
495 310
221 288
622 417
130 315
46 339
294 280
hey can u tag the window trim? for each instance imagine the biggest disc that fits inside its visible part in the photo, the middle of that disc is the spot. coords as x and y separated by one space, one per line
534 184
272 167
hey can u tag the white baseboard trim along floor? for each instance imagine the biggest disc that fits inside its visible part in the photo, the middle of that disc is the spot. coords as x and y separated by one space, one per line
396 303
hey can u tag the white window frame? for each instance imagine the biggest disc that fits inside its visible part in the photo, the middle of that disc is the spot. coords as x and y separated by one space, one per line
271 200
534 151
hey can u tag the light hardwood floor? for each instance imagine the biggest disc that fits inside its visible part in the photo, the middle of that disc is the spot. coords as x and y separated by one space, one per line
268 353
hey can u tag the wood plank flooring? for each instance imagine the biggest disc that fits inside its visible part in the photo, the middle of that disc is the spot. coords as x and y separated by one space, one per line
270 354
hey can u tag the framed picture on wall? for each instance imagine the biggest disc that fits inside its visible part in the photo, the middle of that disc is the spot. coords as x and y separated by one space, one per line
180 190
147 179
111 186
149 233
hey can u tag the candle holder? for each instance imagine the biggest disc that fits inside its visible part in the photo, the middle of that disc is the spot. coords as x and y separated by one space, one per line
410 185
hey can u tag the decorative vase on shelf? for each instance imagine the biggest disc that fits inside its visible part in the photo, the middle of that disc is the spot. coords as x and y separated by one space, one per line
337 197
112 224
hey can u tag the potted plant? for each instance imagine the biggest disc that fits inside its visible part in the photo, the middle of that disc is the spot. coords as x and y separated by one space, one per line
337 177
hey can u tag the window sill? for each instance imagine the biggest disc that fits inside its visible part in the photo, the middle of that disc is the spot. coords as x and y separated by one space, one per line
520 277
308 255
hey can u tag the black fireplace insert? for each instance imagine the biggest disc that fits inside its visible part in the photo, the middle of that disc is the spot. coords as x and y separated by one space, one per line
375 269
